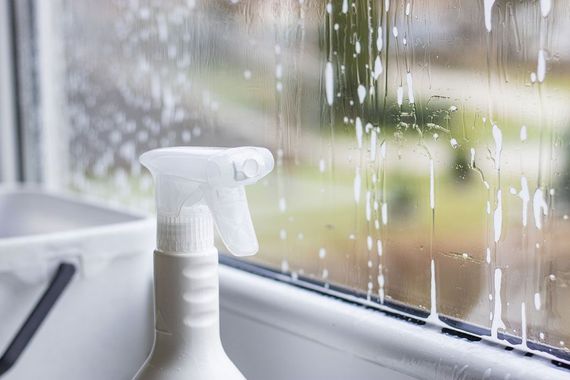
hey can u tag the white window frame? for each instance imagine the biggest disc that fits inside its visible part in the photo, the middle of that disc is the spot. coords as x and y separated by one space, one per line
418 351
8 141
52 113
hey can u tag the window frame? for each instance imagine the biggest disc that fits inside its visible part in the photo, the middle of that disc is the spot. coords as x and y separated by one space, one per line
50 75
411 314
9 168
382 337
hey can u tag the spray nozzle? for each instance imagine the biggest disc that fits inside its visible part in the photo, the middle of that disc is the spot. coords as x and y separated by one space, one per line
190 178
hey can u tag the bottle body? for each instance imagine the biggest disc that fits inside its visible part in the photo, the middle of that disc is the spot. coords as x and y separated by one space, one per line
187 342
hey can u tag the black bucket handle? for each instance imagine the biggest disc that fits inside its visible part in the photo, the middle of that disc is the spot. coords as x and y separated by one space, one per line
59 282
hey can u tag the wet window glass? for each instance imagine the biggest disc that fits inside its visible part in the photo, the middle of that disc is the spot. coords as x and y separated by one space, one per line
422 147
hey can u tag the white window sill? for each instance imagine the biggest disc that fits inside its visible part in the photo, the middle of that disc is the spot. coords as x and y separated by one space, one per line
273 330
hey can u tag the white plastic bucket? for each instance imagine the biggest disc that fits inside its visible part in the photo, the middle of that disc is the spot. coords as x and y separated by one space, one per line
101 325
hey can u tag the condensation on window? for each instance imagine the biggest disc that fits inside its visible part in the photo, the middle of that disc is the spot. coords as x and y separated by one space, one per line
422 147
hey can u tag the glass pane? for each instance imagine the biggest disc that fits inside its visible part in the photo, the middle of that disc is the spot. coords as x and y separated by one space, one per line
422 148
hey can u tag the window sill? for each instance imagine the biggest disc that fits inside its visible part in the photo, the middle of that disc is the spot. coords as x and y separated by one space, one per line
274 330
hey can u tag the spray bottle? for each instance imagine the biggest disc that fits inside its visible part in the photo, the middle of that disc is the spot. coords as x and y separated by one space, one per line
195 189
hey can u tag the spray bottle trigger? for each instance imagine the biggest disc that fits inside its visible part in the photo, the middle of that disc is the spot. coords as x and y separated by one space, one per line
231 215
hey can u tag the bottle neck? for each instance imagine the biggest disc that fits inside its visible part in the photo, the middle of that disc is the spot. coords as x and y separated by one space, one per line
186 286
192 231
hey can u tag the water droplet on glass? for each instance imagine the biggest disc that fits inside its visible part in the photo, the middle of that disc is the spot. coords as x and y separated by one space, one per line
361 93
454 143
329 83
282 204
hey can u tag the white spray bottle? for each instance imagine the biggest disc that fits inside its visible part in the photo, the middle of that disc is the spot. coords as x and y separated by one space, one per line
195 188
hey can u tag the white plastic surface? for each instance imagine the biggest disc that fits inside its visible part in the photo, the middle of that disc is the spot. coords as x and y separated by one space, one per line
282 332
193 187
27 213
100 327
187 335
189 176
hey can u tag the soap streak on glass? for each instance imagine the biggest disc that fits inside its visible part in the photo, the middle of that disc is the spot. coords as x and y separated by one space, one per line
418 162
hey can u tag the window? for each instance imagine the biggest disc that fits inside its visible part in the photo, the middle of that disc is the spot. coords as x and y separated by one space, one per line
422 148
